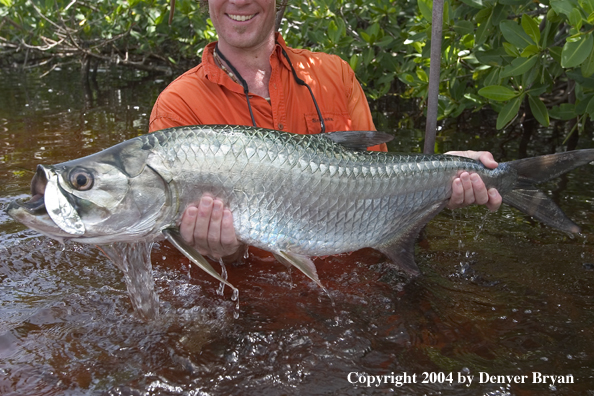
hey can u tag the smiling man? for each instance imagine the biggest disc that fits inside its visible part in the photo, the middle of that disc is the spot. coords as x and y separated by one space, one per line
250 77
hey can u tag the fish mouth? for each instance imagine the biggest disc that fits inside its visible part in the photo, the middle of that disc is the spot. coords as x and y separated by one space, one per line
35 206
34 212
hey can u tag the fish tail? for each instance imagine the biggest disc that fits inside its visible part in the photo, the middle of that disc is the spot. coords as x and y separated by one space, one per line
528 199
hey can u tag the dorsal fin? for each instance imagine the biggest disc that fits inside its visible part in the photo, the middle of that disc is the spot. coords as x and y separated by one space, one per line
358 140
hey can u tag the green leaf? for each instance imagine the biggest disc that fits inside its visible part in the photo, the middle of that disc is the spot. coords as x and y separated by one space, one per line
563 112
514 34
499 14
491 57
498 93
574 53
365 36
422 75
519 66
473 3
590 107
556 53
332 31
387 40
483 15
374 30
484 28
457 89
588 65
368 56
575 19
529 51
508 112
539 110
354 62
426 7
529 77
511 50
563 6
587 5
531 28
464 27
493 77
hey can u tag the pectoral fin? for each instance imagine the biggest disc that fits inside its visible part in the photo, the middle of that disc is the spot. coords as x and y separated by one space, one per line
176 240
302 263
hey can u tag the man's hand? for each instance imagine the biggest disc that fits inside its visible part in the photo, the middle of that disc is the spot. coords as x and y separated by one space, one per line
209 228
469 188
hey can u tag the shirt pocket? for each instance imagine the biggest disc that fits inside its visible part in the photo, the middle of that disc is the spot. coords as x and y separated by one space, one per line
334 122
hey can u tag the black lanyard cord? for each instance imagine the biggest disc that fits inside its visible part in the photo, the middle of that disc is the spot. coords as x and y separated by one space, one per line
303 83
241 80
297 79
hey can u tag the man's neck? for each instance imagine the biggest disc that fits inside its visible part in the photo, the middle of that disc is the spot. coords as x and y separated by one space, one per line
253 64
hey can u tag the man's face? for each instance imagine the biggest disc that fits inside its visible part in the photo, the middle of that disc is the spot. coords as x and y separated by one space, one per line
245 24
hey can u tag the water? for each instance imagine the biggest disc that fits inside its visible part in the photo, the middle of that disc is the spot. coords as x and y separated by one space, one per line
134 259
500 295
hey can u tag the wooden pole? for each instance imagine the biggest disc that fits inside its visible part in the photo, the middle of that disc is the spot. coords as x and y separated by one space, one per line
434 68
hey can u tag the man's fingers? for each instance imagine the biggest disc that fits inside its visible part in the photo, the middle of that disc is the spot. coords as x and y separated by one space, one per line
479 190
202 224
228 237
467 185
487 159
457 197
214 229
495 200
188 221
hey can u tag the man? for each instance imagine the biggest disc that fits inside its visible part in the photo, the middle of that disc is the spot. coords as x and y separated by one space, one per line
250 77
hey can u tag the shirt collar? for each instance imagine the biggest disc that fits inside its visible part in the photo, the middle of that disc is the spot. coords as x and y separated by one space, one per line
216 75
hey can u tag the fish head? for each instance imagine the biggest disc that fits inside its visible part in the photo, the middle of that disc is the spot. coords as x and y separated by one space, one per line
111 196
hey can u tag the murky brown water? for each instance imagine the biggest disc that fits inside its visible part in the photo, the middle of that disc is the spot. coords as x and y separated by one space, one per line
500 294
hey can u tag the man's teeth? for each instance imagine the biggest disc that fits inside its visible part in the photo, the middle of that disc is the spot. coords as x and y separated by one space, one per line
241 18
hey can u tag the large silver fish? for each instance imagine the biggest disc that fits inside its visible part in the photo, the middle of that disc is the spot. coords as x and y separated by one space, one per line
296 196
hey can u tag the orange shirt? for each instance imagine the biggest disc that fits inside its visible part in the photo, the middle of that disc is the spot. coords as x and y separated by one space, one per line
207 95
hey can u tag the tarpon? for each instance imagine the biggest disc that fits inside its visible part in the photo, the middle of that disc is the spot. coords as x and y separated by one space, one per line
296 196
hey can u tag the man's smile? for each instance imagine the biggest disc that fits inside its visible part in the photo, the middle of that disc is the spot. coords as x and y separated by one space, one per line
241 18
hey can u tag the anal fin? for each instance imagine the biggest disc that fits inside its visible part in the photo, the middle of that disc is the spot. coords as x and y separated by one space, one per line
302 263
401 253
401 249
176 240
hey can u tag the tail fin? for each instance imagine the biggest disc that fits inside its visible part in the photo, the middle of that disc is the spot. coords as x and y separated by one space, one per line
533 202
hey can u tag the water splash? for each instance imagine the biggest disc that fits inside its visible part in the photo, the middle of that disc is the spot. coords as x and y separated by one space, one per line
134 259
221 289
481 226
235 297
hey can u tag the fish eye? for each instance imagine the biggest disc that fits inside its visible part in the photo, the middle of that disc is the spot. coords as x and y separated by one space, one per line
81 179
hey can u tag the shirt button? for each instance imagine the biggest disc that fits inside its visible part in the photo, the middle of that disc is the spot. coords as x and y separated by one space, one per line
281 126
